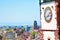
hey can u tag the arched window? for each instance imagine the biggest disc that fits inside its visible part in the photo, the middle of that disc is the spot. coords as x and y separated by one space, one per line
48 38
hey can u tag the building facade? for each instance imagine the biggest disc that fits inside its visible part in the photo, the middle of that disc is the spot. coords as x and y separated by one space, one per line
50 20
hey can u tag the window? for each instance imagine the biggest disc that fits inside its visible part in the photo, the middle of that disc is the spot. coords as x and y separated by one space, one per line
48 39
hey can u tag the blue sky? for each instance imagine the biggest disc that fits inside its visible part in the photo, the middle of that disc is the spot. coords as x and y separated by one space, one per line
19 12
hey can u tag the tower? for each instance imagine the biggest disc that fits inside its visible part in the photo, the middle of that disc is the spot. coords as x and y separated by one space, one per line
50 20
35 25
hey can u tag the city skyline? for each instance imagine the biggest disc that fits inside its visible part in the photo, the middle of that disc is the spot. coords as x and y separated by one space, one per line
19 12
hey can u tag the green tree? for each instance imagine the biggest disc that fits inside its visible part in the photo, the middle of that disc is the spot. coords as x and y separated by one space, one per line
33 34
22 30
8 29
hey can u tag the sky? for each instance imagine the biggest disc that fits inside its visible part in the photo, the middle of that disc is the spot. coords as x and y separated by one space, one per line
19 12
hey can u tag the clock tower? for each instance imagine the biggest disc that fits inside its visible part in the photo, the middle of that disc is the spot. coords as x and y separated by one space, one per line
50 19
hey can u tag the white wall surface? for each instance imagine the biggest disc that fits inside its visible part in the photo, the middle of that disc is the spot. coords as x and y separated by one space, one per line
53 24
48 34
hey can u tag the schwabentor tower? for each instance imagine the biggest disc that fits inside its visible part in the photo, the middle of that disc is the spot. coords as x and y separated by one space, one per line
50 19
